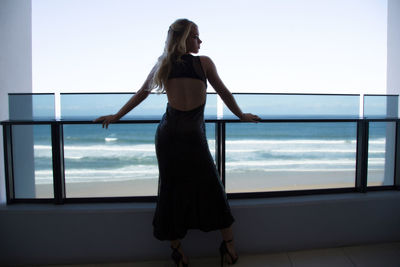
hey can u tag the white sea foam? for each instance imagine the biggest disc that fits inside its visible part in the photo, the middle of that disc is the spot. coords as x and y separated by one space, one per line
265 163
381 141
151 171
128 148
286 142
313 150
99 151
235 147
242 156
90 175
308 164
74 157
138 147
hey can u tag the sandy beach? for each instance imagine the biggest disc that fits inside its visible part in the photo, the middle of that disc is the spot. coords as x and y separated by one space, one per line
249 181
139 187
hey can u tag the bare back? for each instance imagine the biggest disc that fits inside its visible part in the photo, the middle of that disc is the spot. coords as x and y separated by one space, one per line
186 93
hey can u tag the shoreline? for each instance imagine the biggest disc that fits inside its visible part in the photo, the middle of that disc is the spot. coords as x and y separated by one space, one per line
250 181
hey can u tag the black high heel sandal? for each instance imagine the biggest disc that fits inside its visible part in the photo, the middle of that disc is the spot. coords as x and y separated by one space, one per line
177 257
223 251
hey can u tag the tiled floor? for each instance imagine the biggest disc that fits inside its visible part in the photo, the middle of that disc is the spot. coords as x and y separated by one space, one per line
379 255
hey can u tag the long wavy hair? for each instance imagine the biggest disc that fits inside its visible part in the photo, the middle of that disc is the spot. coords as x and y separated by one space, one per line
175 47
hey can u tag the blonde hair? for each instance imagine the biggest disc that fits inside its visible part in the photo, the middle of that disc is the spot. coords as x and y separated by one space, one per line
175 47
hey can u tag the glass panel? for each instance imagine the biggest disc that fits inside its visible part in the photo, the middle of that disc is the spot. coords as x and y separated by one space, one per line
285 105
289 156
210 110
381 106
82 106
31 106
32 158
120 161
90 106
381 150
210 133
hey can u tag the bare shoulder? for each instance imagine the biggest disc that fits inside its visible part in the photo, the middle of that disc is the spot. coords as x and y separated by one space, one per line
205 60
207 63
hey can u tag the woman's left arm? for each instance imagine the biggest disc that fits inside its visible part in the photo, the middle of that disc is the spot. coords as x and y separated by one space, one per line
226 96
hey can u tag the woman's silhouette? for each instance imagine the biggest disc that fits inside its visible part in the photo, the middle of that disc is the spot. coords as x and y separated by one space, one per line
190 192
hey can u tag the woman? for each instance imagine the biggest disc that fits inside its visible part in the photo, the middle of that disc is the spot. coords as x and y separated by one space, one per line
190 193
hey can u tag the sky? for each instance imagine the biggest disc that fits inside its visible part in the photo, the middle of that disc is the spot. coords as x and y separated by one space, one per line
271 46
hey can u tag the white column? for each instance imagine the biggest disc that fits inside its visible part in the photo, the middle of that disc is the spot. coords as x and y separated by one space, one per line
393 83
393 48
15 61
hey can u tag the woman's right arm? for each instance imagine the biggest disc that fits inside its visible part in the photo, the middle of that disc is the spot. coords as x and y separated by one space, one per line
135 100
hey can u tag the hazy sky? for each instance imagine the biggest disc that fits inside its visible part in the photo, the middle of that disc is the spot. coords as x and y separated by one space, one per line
274 46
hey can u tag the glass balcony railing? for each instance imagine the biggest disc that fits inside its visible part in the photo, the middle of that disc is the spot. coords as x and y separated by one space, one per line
31 106
290 156
84 106
306 145
299 105
381 106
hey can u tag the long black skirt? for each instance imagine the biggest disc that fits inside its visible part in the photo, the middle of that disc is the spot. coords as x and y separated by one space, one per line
190 192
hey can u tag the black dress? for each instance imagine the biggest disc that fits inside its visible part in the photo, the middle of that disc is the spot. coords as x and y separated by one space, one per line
190 192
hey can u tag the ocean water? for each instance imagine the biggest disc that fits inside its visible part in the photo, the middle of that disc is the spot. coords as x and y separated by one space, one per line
126 151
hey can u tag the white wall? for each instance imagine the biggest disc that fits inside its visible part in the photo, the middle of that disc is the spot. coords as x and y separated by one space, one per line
392 83
96 233
393 50
15 60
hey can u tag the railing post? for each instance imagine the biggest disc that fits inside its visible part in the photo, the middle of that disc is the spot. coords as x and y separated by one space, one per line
220 149
8 163
362 156
397 157
57 142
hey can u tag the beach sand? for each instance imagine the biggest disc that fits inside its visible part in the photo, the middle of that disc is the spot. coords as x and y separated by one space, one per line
257 181
139 187
249 181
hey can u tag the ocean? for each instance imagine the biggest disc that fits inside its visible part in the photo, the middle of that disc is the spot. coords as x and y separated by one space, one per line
126 151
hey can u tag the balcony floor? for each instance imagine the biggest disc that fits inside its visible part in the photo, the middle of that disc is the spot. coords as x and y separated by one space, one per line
376 255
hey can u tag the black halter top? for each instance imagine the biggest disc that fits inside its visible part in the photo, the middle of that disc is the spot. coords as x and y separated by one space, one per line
188 67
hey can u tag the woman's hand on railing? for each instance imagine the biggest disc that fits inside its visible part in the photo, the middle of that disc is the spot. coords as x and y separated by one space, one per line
248 117
106 120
